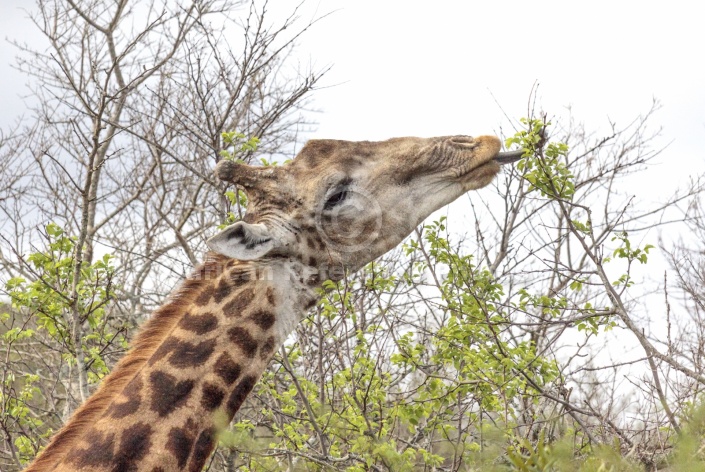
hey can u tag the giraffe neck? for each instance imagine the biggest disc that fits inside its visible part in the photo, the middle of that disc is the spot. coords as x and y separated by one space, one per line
163 405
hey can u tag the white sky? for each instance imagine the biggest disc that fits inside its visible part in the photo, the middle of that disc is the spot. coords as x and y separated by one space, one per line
432 68
421 67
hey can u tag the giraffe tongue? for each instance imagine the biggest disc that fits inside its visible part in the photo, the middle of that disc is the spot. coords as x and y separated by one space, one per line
508 157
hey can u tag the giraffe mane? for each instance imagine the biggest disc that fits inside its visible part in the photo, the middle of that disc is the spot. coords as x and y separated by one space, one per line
149 338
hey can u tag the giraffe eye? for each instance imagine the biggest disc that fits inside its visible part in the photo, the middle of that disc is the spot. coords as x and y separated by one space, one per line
338 197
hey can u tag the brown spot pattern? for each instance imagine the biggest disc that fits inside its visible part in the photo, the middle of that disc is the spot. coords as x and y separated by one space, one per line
150 337
270 296
205 296
227 369
167 393
263 319
191 355
313 280
240 393
211 396
236 306
241 275
134 445
180 443
165 348
244 340
222 290
267 348
199 324
121 409
99 453
202 449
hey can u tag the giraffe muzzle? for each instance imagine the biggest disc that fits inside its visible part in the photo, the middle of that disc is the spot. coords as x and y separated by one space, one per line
508 157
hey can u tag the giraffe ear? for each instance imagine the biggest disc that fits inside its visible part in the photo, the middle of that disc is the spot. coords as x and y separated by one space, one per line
243 241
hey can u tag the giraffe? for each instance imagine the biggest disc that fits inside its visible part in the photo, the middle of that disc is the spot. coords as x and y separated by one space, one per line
337 206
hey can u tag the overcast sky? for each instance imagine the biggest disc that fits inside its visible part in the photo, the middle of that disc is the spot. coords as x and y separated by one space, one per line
431 66
434 68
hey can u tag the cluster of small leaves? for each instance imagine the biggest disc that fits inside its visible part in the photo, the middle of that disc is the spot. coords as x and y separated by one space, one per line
48 296
559 456
528 457
471 342
16 398
42 308
236 144
627 252
689 446
592 324
235 199
554 307
543 166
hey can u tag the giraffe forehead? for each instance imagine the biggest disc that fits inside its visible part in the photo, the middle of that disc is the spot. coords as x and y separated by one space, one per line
338 152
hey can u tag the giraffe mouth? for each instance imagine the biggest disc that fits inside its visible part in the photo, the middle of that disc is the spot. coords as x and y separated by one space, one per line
508 157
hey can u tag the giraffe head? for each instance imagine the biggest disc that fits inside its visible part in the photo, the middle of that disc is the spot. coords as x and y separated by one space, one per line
342 204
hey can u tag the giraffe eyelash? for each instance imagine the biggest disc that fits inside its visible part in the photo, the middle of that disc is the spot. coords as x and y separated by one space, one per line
337 196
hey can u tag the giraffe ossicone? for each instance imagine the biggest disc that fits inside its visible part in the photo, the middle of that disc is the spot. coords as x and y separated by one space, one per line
337 206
